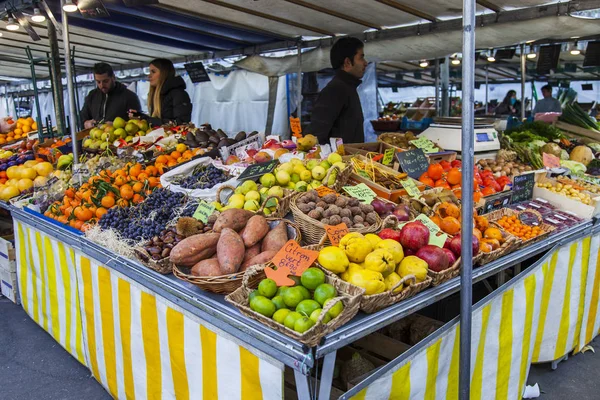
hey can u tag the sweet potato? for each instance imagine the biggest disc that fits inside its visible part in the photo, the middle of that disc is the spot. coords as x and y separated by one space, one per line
276 238
233 218
194 249
256 229
230 251
208 267
251 252
262 258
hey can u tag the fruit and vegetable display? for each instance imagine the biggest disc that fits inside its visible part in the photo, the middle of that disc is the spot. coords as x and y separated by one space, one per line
572 191
22 128
333 209
377 173
105 135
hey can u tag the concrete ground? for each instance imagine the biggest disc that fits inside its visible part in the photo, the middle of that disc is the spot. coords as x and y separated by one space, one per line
33 366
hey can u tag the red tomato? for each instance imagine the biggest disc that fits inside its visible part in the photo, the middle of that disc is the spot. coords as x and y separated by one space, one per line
456 164
446 165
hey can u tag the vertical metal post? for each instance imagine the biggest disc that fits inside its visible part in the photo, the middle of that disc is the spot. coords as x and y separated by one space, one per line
487 88
468 153
299 94
71 95
523 78
445 72
437 86
55 79
79 124
38 117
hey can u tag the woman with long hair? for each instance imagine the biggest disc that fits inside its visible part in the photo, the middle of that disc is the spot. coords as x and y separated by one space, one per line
510 105
167 99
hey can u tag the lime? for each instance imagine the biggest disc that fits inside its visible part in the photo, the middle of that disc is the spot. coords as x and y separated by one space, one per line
280 315
315 316
312 277
281 290
304 292
306 307
293 296
335 310
278 301
290 320
263 306
252 295
267 288
324 292
303 324
296 279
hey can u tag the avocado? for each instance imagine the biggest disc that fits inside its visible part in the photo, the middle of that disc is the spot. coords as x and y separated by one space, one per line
214 139
221 133
240 136
222 143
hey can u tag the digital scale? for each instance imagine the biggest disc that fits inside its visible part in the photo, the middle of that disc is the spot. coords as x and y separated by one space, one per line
447 134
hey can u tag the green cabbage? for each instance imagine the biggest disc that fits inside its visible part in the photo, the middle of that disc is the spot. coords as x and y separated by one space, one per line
564 155
594 146
575 167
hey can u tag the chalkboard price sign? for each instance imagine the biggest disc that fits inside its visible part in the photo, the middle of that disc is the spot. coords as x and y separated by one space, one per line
197 72
413 162
523 188
258 170
497 202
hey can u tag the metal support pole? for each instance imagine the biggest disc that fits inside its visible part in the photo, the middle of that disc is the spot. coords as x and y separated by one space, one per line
437 86
445 72
79 122
523 78
487 88
55 79
468 154
71 95
327 376
38 117
299 94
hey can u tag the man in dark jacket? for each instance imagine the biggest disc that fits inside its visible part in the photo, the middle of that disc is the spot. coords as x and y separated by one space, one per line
337 111
111 99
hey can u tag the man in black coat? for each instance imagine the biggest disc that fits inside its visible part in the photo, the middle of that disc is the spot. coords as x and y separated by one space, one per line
337 111
111 99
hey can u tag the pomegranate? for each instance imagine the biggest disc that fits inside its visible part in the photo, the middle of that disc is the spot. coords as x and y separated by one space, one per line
409 252
414 235
435 257
451 257
389 233
455 245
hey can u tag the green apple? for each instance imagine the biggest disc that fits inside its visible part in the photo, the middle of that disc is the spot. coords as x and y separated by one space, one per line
334 158
325 164
295 178
122 133
276 191
318 173
87 142
131 128
283 178
119 123
311 164
248 186
287 167
306 176
267 180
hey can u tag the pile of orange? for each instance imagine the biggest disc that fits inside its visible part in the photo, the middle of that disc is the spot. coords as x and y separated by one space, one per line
513 225
491 239
82 208
180 155
23 127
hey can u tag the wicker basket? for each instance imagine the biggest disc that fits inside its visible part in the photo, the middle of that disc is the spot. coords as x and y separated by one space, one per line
313 230
349 295
437 278
376 302
386 125
162 266
226 284
546 228
283 205
341 178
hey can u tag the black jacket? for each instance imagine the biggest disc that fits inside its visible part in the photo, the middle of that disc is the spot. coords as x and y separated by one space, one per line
337 111
117 103
175 103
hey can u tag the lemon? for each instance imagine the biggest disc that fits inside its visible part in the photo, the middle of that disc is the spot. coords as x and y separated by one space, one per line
252 195
236 201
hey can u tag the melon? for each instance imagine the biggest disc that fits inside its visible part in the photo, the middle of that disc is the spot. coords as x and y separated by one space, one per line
582 154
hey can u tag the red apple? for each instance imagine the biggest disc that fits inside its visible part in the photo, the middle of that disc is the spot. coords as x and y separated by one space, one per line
455 244
389 233
251 152
414 235
451 257
232 160
435 257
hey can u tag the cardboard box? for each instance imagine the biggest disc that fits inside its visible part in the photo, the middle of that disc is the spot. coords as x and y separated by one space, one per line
7 255
8 286
565 203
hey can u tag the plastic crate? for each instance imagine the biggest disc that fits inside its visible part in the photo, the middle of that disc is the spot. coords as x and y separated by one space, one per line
421 125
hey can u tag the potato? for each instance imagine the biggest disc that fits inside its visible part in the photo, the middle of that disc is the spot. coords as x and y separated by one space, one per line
233 218
194 249
255 230
208 267
276 238
230 251
262 258
251 252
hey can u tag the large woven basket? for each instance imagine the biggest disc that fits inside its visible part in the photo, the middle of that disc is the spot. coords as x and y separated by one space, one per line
313 230
437 278
283 204
341 178
226 284
348 294
375 302
162 266
494 216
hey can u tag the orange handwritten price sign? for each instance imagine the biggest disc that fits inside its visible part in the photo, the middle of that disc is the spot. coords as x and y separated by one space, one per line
295 126
295 258
324 191
550 161
336 233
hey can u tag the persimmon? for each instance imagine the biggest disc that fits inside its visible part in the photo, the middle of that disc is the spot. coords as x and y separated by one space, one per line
445 165
442 183
450 225
485 247
436 219
107 202
481 223
435 171
126 192
457 193
477 233
477 196
162 159
424 178
454 176
493 233
175 155
447 209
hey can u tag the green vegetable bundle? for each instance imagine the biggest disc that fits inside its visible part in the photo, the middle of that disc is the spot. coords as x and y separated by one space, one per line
573 114
540 130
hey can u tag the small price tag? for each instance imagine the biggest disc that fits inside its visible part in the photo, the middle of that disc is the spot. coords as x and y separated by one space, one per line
336 233
280 276
204 211
550 161
324 191
361 192
295 258
436 237
411 188
364 174
388 156
295 126
424 144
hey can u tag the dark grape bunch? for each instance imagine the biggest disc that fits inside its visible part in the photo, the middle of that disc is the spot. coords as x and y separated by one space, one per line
203 177
148 218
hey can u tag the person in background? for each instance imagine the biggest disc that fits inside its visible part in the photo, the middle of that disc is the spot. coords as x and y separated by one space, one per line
337 111
7 124
548 104
111 99
167 99
510 105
